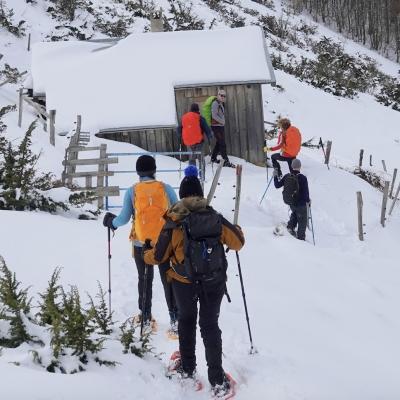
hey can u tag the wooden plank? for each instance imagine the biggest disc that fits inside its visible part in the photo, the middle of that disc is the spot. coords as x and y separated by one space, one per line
384 202
393 182
92 161
91 173
242 120
328 152
395 199
253 119
361 158
83 148
100 179
101 191
52 127
384 165
258 131
359 213
40 109
20 106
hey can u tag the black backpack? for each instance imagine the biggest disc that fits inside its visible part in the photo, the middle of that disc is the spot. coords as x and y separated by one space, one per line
205 260
291 190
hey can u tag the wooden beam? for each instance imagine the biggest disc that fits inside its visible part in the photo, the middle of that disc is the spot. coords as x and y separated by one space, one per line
360 220
328 152
83 148
20 106
90 173
393 182
92 161
52 127
395 199
384 202
361 158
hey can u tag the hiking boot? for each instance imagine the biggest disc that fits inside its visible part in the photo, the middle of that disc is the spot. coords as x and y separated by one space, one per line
227 163
292 231
225 389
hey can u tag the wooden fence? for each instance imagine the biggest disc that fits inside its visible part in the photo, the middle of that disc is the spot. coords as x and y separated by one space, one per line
78 144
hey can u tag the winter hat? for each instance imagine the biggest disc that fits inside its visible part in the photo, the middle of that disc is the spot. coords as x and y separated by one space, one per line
194 108
296 164
146 165
190 185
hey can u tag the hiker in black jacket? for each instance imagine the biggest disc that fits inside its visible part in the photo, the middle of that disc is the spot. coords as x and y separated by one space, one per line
299 207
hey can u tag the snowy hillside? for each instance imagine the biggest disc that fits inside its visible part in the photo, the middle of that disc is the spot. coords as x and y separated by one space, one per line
324 318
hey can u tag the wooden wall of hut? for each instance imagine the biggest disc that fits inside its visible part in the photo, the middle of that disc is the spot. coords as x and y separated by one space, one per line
244 116
244 130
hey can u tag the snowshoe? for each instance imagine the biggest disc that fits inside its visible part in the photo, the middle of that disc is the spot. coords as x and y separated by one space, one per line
229 164
176 372
226 390
148 326
172 332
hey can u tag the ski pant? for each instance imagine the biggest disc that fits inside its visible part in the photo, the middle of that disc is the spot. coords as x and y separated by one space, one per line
198 157
187 296
298 218
142 267
278 157
220 144
168 292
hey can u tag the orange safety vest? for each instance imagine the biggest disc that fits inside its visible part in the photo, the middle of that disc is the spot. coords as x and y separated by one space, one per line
150 204
292 141
191 129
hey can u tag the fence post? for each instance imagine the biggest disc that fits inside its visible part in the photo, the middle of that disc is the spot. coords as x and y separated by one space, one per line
370 160
29 42
360 220
361 158
328 151
100 179
384 202
393 182
384 165
52 119
395 199
20 106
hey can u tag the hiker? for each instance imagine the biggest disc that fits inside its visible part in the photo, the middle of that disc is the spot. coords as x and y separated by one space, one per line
192 129
188 219
289 142
146 202
295 194
218 128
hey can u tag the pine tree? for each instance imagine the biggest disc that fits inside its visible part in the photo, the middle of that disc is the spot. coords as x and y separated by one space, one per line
99 313
131 342
15 307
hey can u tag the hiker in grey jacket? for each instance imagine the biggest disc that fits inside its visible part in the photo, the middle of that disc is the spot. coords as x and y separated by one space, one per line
218 128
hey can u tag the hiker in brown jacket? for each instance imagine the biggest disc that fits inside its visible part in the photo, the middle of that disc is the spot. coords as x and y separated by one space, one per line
172 245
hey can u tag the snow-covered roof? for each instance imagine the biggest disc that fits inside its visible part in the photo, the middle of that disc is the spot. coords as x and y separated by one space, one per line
132 83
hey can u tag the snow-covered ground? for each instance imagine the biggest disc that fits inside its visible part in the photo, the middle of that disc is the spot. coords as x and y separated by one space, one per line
324 318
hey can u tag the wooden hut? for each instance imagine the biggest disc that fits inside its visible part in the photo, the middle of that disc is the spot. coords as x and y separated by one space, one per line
171 71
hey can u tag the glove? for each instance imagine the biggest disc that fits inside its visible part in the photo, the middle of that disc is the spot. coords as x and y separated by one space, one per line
108 219
266 149
147 245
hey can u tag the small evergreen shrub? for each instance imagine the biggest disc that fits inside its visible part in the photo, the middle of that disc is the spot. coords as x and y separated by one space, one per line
6 21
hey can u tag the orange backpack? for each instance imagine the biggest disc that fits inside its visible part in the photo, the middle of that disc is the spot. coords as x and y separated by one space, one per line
292 141
150 205
191 129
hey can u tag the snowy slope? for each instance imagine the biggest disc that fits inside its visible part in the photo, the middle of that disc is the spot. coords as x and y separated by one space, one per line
325 319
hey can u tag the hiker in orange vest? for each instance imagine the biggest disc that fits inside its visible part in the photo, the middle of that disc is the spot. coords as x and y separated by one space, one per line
192 129
289 142
147 201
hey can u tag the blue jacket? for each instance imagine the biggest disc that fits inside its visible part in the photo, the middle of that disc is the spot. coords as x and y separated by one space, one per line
128 211
304 196
204 128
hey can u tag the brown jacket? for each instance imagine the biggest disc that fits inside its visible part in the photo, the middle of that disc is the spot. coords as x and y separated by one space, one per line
169 245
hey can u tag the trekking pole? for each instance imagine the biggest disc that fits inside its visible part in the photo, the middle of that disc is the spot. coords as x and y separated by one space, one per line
235 221
312 225
265 192
144 298
109 269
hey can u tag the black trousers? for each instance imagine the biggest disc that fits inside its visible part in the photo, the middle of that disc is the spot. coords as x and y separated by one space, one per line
298 218
278 157
220 144
187 296
141 268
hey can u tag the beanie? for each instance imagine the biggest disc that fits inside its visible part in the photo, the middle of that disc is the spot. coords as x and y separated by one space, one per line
194 107
146 165
296 164
190 185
